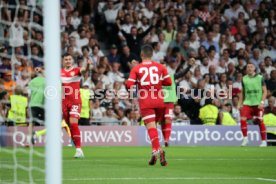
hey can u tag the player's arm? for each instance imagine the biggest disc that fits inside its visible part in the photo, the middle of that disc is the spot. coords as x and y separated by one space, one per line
166 79
131 81
261 106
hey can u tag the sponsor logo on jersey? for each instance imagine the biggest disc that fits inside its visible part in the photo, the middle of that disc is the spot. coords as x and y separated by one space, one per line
72 73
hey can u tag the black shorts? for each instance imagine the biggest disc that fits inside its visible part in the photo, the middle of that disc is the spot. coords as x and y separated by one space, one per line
38 115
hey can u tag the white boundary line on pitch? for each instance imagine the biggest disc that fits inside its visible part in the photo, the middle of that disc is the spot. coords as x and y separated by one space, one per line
161 178
266 179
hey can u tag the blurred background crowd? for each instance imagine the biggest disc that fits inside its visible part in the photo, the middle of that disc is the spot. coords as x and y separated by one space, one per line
221 35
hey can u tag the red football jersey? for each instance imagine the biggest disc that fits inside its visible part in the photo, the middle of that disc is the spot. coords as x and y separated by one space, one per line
149 76
71 85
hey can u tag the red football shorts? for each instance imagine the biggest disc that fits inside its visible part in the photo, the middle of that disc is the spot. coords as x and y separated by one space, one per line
70 110
252 112
153 115
169 111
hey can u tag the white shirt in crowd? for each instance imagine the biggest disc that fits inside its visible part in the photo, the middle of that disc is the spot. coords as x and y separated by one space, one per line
111 14
240 45
115 76
98 113
237 84
221 69
158 56
185 84
203 69
164 47
75 22
81 42
236 115
194 45
16 35
268 70
147 13
217 38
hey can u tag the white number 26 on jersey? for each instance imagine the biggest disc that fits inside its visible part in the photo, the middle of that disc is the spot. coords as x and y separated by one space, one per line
153 75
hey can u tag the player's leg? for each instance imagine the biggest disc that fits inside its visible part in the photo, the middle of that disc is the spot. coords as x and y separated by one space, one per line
37 119
245 115
74 115
160 117
166 126
259 113
67 129
155 144
148 116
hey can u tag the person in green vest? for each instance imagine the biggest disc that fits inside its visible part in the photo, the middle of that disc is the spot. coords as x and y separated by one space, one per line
85 104
270 119
36 87
225 118
170 99
17 114
251 102
208 114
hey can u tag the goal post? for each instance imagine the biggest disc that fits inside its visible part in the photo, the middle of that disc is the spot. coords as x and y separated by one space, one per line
51 14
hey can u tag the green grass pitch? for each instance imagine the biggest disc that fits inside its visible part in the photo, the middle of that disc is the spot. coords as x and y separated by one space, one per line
128 165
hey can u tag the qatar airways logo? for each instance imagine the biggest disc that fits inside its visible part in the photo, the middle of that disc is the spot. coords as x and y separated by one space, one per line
152 93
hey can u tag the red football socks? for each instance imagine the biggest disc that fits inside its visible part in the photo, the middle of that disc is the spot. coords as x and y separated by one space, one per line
75 131
244 128
262 130
153 134
166 131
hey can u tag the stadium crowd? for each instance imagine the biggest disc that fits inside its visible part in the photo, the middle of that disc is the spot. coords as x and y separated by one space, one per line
222 36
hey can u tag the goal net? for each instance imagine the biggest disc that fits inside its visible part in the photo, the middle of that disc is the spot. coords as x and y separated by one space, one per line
25 46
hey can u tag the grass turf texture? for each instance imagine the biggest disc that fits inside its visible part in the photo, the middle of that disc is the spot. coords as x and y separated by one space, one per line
128 165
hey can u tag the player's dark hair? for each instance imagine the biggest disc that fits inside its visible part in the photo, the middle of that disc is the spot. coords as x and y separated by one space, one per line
66 54
147 51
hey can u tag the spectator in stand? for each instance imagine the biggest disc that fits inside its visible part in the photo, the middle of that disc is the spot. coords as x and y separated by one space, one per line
210 42
113 55
225 118
271 108
178 115
271 83
97 112
270 119
9 83
115 74
5 64
169 32
36 56
213 57
127 59
134 39
193 41
268 66
129 119
235 109
176 43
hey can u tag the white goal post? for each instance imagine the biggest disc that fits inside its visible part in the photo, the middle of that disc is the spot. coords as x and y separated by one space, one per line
51 14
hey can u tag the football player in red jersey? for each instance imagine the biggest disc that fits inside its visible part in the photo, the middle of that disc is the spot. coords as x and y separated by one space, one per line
150 76
71 100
